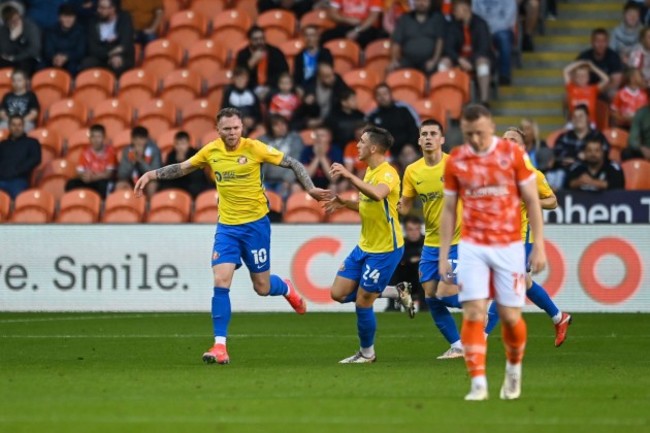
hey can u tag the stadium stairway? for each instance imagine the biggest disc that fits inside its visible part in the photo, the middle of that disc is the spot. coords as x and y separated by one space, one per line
537 89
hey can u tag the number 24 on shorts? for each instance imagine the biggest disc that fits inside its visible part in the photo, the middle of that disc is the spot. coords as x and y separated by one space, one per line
371 274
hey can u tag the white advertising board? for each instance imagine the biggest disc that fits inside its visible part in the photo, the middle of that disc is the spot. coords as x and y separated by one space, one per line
150 267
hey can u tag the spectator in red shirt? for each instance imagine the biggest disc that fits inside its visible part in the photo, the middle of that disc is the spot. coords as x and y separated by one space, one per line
578 89
97 164
355 20
629 99
285 101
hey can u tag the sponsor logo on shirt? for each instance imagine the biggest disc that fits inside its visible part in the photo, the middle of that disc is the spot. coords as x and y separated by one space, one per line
487 191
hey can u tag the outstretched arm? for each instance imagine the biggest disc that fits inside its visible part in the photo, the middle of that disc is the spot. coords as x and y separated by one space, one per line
304 179
168 172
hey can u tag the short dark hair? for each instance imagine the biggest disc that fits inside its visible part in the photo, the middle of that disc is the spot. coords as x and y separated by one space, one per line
379 136
20 72
432 122
182 135
583 107
412 219
599 31
8 13
631 5
139 132
228 112
516 130
66 9
472 112
99 128
311 26
346 93
239 71
462 2
16 116
254 29
380 85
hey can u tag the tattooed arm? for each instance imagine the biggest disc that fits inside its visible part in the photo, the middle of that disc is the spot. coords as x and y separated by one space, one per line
304 179
168 172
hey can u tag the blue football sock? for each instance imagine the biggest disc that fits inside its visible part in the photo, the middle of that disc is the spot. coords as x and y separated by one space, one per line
443 319
366 326
451 301
493 317
220 311
278 286
351 297
538 295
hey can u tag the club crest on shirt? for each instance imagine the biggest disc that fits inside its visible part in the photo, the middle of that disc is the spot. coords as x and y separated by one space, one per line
342 267
242 160
215 255
388 177
504 163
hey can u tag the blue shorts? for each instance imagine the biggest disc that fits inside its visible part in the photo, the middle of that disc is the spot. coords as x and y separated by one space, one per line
429 262
529 248
372 271
250 242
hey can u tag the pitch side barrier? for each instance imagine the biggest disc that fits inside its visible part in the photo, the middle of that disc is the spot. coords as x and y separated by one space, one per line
151 267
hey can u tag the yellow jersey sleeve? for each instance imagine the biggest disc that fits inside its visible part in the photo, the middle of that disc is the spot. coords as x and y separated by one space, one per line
381 231
200 158
543 191
543 188
266 153
408 188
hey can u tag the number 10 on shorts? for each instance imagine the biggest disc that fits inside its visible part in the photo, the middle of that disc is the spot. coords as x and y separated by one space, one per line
259 256
371 274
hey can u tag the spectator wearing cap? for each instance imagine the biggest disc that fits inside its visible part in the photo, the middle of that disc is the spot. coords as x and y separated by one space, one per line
110 39
19 156
20 41
65 45
147 17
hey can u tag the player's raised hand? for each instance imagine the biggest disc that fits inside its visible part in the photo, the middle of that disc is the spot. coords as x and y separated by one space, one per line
320 194
333 204
537 261
142 182
338 171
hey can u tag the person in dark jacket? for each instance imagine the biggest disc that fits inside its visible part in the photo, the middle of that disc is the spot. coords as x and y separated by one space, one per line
19 156
43 12
305 63
195 182
20 41
397 118
65 45
264 62
344 119
468 45
239 95
110 39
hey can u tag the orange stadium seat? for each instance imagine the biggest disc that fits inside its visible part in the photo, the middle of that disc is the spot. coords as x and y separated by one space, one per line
279 25
75 145
114 114
181 86
450 89
170 7
123 207
215 86
4 134
205 57
66 116
170 206
33 206
290 49
617 137
55 175
199 117
429 110
208 8
308 137
92 86
377 55
301 207
121 140
5 206
51 85
137 86
230 27
5 81
206 207
157 116
208 137
161 57
79 206
407 84
246 6
318 18
346 216
165 142
346 54
602 115
637 174
365 79
51 143
275 201
186 27
552 137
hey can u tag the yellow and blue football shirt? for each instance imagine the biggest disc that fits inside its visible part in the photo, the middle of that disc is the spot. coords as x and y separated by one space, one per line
380 228
427 183
238 177
544 191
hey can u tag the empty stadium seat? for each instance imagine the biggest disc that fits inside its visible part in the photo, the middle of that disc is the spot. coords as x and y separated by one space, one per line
210 136
407 85
230 25
318 18
121 140
206 207
5 81
75 145
92 86
344 215
208 8
450 89
377 56
137 86
199 117
429 110
114 114
637 174
181 86
33 206
291 49
205 57
51 143
275 201
186 27
157 116
215 86
123 207
366 79
346 54
5 206
552 137
165 142
66 116
161 57
170 206
301 207
617 137
51 85
79 206
279 25
55 175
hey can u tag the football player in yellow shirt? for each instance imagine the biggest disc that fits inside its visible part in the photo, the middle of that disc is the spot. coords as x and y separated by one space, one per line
368 268
244 230
534 291
424 179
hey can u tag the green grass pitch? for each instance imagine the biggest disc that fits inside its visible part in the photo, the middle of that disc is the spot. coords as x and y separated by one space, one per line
143 373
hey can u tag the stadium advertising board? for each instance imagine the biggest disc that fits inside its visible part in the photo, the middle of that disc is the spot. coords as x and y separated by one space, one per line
609 207
167 268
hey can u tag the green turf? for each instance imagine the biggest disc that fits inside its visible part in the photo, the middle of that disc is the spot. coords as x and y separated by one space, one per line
143 373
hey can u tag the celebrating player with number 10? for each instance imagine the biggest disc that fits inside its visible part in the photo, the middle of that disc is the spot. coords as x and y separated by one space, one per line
244 230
